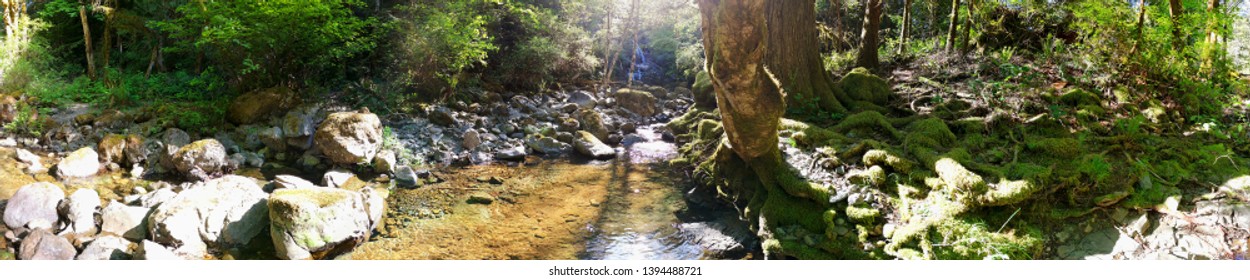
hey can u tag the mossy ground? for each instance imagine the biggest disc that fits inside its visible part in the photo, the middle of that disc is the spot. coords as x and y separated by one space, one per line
960 181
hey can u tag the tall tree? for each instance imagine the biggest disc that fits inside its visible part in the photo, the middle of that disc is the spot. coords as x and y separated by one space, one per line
1140 28
902 36
867 57
1175 10
86 36
835 17
736 41
950 35
795 57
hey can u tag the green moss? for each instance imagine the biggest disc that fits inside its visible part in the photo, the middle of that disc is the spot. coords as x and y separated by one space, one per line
958 179
868 122
863 215
1077 97
1009 192
1055 147
931 132
811 135
862 85
873 176
686 122
885 158
970 239
704 94
709 129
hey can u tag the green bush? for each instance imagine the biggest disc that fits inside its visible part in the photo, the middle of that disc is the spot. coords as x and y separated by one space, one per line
434 42
256 44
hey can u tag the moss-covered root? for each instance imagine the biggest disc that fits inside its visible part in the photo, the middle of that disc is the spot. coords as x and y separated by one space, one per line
811 135
869 121
1009 192
958 180
686 122
885 158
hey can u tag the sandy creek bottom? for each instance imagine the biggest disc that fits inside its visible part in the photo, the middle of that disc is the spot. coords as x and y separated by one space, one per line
631 207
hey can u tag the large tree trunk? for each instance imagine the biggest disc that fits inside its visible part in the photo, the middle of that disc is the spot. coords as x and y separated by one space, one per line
867 57
902 36
795 57
950 35
735 42
86 36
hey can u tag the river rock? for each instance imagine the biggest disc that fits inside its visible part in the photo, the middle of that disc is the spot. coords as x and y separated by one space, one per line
81 163
637 101
41 244
350 137
384 162
253 106
588 145
80 210
547 145
112 148
591 121
105 248
405 177
583 99
317 223
704 94
375 205
149 250
34 206
129 222
291 182
201 159
175 137
273 139
336 178
443 116
471 139
32 161
223 213
299 125
513 153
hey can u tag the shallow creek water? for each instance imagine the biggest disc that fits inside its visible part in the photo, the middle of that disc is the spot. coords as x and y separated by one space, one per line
626 208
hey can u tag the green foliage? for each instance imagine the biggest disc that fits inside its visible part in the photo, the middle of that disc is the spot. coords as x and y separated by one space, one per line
262 43
26 121
434 42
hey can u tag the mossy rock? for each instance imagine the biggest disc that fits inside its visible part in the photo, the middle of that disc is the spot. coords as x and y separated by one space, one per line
863 215
860 84
885 158
639 102
254 106
704 94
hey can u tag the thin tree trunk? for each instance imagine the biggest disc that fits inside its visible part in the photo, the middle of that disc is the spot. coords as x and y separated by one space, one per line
1176 11
902 37
867 57
608 51
1140 28
1213 27
950 36
86 36
633 53
108 33
835 17
965 42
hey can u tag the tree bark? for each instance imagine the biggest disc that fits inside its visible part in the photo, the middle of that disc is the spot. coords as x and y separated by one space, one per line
86 36
950 36
1176 11
965 41
835 17
867 57
902 36
1140 28
795 57
633 30
735 37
